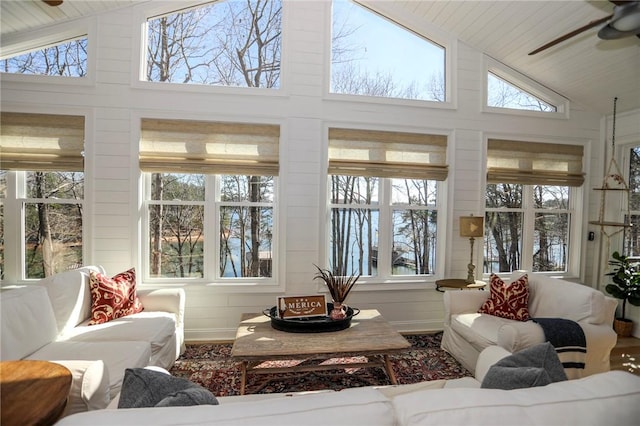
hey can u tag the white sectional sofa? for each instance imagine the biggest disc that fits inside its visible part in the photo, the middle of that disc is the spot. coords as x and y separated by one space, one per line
608 398
467 332
48 320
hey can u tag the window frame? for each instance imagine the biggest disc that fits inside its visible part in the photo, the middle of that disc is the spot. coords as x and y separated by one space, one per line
211 223
490 65
412 24
142 13
528 211
17 44
14 223
384 281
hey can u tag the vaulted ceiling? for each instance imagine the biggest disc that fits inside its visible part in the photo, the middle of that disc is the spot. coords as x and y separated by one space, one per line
587 70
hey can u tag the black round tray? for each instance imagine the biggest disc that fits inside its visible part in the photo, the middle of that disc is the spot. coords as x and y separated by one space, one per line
319 324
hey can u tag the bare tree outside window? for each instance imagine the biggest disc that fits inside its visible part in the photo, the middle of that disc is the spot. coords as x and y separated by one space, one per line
366 60
503 94
67 59
228 43
53 222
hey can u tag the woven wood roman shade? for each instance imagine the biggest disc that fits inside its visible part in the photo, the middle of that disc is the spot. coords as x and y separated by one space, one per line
533 163
387 154
41 142
185 146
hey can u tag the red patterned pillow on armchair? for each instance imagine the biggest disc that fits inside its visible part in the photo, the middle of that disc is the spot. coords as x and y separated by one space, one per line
113 298
509 301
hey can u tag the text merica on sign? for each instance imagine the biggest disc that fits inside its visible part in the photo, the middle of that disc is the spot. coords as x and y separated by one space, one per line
302 306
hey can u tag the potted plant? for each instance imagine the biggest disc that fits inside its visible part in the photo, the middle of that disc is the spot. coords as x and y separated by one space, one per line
339 286
625 286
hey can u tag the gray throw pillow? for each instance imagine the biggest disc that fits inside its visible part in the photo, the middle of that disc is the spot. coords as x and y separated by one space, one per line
538 365
142 387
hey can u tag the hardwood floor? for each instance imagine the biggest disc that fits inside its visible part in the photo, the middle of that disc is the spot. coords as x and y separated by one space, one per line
626 355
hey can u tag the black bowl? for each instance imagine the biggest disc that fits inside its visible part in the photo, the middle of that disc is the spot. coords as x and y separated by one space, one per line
317 324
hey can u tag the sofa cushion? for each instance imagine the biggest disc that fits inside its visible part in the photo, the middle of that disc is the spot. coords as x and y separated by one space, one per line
143 387
27 321
157 328
553 297
602 399
509 301
89 386
480 330
117 356
538 365
355 406
70 296
114 297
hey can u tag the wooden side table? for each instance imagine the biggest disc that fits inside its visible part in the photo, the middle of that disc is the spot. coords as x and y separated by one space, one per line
459 283
32 392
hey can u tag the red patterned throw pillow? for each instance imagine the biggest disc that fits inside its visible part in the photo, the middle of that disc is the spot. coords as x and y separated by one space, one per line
509 301
113 298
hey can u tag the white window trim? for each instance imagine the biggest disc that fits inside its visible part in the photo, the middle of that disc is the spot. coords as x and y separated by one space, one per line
23 43
490 65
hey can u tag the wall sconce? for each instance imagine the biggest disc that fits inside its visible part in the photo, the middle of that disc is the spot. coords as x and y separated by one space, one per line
472 227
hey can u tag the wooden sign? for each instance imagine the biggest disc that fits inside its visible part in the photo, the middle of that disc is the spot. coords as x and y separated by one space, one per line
302 306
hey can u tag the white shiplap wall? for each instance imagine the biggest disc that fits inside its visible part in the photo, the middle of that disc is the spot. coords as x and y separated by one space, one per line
116 101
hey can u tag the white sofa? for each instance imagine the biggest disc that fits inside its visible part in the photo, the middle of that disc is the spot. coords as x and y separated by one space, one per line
48 320
607 398
467 332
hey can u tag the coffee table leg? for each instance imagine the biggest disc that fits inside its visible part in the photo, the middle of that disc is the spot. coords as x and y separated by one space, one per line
243 380
389 369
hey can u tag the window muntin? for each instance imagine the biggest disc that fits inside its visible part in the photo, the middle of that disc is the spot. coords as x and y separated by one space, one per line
527 219
180 244
504 94
366 212
66 58
366 60
225 43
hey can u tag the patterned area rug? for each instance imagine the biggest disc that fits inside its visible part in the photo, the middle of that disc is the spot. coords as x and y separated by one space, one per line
211 366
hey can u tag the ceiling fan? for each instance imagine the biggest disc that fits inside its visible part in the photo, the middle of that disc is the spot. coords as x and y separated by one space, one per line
53 2
623 22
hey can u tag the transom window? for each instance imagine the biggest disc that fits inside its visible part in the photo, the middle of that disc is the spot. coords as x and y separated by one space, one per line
366 58
225 43
503 94
66 58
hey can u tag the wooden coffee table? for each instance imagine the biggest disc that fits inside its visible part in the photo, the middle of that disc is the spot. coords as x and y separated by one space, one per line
33 392
369 335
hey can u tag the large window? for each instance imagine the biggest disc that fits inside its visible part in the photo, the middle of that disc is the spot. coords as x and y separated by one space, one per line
227 43
530 206
42 194
210 193
632 234
373 56
384 200
67 59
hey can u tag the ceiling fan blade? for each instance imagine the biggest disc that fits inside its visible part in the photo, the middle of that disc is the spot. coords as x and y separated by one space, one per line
53 2
572 34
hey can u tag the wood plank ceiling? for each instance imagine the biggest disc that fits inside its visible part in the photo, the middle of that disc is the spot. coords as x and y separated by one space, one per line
587 70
